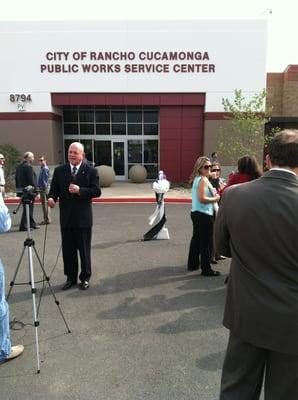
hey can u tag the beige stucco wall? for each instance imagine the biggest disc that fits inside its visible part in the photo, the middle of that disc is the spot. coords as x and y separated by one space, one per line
38 136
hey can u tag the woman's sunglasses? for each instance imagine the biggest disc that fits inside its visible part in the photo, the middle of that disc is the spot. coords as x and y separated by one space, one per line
207 166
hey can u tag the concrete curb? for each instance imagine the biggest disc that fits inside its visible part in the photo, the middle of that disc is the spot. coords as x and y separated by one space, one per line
176 200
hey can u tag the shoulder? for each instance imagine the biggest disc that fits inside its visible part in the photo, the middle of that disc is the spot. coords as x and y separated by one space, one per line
61 169
27 166
89 168
204 180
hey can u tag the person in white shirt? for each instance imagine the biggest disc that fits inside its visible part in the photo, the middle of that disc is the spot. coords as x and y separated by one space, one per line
2 177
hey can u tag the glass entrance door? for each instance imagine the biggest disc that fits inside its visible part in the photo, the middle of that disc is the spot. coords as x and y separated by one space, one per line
118 158
102 152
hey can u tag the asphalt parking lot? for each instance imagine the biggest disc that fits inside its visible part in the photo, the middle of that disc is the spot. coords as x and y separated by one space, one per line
146 329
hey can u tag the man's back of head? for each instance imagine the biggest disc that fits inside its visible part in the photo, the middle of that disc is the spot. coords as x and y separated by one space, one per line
283 150
29 157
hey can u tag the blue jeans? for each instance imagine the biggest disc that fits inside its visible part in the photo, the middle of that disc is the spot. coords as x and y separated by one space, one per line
5 345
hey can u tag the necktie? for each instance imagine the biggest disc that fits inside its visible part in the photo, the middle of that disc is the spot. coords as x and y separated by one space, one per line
73 173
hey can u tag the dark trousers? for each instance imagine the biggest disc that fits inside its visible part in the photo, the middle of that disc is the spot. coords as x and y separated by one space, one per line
76 240
23 223
245 367
45 208
201 242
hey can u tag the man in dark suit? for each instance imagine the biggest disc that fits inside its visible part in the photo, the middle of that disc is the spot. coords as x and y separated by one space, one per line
75 184
257 225
25 176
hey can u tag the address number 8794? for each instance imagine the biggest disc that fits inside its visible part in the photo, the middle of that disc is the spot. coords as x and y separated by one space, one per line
19 97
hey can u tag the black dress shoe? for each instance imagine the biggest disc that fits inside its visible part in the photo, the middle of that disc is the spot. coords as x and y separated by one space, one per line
210 272
68 285
190 269
84 285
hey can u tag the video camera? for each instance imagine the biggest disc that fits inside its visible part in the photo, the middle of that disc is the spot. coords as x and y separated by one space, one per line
27 193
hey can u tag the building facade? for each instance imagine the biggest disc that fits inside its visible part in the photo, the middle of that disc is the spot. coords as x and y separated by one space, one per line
141 92
282 98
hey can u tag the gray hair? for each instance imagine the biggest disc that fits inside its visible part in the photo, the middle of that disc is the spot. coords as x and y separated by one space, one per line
78 145
28 154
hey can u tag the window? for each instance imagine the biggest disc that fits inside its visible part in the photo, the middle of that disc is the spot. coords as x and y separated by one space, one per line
150 151
118 129
151 116
70 116
71 129
134 116
103 129
118 116
86 129
134 129
137 127
134 155
150 129
86 116
102 116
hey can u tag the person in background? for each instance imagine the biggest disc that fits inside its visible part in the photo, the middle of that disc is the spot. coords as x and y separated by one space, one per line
202 211
215 179
214 158
2 177
257 226
7 352
75 184
43 183
25 176
218 184
248 170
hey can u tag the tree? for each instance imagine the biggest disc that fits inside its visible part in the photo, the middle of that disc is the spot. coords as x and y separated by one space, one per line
12 158
245 133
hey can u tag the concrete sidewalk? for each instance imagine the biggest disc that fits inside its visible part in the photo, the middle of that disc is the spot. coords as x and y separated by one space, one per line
126 192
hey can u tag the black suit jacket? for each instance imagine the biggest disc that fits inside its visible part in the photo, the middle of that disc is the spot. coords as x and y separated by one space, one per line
75 209
25 176
257 225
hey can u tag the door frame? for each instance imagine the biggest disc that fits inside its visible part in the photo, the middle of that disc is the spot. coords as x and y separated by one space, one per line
124 141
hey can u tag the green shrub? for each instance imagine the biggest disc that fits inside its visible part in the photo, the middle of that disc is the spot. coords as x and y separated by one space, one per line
12 159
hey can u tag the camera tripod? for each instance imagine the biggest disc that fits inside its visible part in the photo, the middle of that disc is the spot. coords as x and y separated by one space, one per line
29 244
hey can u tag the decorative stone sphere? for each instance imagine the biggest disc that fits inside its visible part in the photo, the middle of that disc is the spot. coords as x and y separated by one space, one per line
137 173
106 175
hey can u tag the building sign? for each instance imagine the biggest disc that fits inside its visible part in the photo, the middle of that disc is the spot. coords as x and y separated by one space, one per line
115 62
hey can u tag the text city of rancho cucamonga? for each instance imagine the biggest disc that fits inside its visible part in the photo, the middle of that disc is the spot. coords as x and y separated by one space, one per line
140 62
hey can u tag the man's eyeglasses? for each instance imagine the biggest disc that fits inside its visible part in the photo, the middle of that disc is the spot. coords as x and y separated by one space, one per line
215 170
41 160
207 166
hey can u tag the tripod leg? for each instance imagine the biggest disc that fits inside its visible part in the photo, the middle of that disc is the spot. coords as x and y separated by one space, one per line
51 290
15 274
33 291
